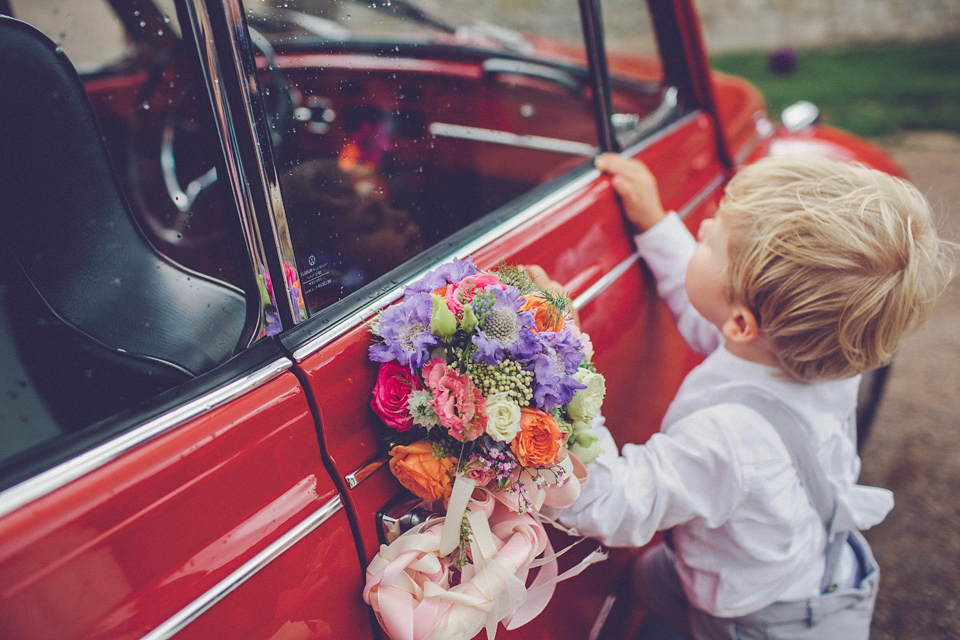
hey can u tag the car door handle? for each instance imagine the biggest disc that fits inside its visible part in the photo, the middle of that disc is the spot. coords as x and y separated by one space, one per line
497 66
356 477
400 515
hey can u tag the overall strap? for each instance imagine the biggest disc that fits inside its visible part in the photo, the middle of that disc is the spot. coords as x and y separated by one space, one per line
794 433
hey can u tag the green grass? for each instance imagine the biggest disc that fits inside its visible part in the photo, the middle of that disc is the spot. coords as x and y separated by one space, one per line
872 91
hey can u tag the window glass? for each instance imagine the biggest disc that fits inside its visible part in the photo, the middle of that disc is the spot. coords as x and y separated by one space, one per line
411 119
116 294
69 23
640 99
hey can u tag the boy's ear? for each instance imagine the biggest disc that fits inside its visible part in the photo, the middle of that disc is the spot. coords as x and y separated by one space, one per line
741 326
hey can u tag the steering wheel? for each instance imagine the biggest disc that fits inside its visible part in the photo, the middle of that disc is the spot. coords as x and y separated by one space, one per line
174 151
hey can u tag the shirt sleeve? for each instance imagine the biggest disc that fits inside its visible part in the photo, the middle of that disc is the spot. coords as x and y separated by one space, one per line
666 248
691 473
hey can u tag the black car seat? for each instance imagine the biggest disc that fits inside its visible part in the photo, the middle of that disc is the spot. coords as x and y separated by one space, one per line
81 287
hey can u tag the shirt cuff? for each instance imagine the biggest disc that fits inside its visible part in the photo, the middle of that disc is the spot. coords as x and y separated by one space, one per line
657 234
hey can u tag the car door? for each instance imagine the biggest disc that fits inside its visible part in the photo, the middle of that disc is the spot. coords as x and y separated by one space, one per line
483 175
148 493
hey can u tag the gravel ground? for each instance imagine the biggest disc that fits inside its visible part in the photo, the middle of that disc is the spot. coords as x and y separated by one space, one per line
914 449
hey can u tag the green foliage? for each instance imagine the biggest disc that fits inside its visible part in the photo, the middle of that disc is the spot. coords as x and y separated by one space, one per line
512 275
871 91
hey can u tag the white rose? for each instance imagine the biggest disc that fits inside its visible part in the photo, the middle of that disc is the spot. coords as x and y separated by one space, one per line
503 417
580 426
586 403
586 447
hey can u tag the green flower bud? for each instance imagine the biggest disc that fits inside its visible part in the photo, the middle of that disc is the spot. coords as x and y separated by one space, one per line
469 322
442 323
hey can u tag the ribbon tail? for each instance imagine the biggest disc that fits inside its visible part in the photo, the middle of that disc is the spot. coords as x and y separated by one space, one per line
459 498
539 595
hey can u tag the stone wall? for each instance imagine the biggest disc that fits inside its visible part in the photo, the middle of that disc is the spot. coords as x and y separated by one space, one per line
768 24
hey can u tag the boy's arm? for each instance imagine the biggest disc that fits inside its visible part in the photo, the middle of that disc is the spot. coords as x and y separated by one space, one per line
666 248
691 473
664 243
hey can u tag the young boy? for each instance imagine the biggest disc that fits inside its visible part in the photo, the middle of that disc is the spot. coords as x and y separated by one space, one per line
811 273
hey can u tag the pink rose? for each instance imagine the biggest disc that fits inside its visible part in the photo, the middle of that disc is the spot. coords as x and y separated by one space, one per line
458 403
480 475
463 292
390 395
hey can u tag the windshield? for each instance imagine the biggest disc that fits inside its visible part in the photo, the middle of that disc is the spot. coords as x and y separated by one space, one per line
309 21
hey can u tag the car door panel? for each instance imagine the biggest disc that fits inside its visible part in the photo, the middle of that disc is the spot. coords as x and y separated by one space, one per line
340 378
138 539
305 590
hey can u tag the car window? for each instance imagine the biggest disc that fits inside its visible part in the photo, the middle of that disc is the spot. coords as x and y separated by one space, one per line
411 120
68 23
123 274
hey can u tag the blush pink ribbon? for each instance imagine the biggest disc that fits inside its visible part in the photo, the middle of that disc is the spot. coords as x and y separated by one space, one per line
409 581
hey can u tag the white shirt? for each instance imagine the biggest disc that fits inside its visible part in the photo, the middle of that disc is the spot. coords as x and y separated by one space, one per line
745 533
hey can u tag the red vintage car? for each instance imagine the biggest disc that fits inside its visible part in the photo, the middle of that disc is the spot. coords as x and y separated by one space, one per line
190 260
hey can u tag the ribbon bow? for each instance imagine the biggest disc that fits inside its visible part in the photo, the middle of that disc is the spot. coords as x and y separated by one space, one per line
409 581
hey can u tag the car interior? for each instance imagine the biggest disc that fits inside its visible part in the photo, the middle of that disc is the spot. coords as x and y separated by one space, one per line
88 302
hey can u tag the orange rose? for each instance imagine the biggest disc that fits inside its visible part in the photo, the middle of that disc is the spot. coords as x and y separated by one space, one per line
428 477
539 440
546 315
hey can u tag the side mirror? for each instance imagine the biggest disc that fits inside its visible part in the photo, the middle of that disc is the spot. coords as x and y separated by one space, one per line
800 115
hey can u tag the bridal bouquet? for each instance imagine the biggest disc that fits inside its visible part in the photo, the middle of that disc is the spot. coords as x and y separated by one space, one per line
487 391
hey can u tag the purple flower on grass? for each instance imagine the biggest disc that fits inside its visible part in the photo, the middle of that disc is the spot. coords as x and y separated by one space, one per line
405 329
502 330
553 369
448 272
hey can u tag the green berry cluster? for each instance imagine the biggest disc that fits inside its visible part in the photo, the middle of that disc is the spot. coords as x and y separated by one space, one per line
507 376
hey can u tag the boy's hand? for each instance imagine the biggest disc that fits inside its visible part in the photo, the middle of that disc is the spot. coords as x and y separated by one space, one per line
636 186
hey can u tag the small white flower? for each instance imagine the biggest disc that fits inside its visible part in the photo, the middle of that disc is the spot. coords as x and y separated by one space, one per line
503 417
420 402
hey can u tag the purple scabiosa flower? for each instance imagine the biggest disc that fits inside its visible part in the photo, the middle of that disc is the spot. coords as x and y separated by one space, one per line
553 369
501 329
568 348
453 271
405 329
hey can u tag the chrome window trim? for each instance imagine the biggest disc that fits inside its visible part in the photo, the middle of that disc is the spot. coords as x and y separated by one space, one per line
715 183
247 570
52 479
495 136
655 137
606 280
242 48
238 176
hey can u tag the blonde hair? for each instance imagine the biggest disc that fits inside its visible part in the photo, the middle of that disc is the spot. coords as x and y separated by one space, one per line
837 262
